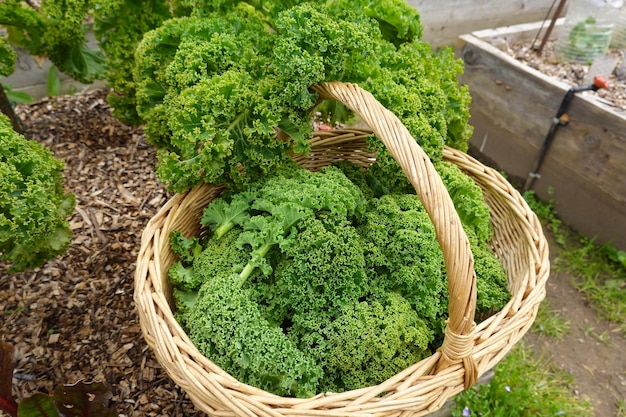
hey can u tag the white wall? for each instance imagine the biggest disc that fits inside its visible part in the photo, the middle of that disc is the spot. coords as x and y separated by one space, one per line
445 20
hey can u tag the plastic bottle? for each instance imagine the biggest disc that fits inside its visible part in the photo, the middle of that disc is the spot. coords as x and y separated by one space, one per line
587 30
618 39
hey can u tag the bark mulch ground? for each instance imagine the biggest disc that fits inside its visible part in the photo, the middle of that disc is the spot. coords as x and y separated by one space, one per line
74 319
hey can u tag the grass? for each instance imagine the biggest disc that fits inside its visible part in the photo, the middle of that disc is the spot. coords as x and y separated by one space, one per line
550 322
621 409
590 332
523 386
600 274
599 270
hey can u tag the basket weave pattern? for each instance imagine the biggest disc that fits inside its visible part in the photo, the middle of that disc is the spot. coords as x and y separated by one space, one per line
468 350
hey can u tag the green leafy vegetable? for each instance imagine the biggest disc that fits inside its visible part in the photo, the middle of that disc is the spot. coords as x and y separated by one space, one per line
373 341
315 287
119 25
33 203
214 87
222 216
65 41
306 282
18 97
53 83
55 30
227 324
468 200
7 58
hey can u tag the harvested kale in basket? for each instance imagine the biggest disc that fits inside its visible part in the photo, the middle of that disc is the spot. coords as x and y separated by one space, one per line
304 285
306 282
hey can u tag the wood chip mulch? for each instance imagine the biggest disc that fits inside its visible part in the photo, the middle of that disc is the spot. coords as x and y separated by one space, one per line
74 319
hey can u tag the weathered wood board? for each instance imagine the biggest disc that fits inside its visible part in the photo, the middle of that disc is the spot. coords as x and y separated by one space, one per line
512 109
444 21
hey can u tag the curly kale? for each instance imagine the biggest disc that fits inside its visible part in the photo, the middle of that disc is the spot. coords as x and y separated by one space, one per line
7 58
306 282
329 191
370 342
491 279
66 42
320 273
227 326
248 231
57 30
213 257
33 204
303 285
403 254
468 200
216 86
119 25
25 27
386 177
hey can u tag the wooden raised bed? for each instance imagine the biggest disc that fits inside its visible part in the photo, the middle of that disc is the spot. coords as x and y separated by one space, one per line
512 109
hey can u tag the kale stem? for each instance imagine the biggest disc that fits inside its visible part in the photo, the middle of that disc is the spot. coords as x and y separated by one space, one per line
223 229
249 268
243 275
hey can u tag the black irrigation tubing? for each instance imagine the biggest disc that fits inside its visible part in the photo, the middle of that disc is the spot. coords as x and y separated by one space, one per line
598 83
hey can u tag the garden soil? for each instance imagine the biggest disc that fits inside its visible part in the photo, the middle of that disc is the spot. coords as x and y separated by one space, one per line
73 319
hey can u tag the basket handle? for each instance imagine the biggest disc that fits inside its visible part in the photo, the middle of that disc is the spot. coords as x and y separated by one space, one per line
460 328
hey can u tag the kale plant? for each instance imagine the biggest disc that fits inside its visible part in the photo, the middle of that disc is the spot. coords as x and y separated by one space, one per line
215 87
33 204
303 284
55 30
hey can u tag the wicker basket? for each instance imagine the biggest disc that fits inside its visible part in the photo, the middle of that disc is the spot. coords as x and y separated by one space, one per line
468 349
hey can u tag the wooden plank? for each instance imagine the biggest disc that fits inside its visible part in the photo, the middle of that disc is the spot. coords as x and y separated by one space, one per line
445 20
512 109
516 33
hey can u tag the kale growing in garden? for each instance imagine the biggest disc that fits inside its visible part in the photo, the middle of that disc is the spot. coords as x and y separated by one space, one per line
34 207
56 30
215 87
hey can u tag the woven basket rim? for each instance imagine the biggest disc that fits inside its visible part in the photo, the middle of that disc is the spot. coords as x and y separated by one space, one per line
194 373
